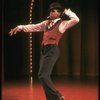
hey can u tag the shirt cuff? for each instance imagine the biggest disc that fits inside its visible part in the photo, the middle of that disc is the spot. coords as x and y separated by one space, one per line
20 27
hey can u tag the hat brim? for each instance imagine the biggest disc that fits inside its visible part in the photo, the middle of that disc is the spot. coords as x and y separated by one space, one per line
60 8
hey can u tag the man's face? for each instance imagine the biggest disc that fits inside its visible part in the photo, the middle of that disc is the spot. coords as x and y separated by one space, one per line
55 13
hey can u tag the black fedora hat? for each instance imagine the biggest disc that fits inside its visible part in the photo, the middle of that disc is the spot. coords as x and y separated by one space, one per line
55 5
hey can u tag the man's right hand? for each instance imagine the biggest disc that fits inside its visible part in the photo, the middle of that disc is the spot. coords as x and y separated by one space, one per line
14 30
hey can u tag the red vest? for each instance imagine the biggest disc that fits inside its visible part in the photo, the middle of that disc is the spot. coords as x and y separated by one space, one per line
52 35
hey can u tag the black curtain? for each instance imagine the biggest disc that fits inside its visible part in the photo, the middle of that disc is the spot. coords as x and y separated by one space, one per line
78 47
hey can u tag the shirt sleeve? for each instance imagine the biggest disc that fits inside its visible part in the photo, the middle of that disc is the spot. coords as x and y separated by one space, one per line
66 24
40 27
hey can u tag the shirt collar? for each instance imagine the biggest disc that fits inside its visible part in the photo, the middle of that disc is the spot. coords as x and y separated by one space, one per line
55 20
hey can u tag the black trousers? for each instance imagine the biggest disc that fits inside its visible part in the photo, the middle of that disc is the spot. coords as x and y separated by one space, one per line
49 56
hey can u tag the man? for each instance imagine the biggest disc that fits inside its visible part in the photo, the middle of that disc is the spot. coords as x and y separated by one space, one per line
53 28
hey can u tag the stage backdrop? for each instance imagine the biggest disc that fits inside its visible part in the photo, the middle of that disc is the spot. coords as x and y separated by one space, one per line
78 47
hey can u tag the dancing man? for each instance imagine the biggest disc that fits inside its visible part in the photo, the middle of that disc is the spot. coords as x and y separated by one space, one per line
53 29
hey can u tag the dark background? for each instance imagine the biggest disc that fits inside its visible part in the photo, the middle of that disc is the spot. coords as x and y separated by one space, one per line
78 47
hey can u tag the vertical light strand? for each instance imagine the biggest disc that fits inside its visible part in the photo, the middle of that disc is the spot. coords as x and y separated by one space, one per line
30 41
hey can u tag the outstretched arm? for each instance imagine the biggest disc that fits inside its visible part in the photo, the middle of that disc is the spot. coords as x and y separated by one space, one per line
29 28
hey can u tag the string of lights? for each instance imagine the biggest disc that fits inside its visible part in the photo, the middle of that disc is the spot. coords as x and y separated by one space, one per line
30 39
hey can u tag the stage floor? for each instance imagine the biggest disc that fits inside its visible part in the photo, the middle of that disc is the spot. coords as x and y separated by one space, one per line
72 90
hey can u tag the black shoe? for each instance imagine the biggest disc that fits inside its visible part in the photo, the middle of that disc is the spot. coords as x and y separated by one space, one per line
61 98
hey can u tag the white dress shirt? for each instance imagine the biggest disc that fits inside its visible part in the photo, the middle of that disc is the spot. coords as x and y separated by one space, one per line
64 25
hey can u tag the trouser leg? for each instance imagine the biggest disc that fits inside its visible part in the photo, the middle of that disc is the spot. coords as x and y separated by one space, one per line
48 59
